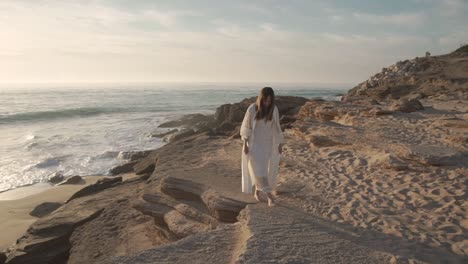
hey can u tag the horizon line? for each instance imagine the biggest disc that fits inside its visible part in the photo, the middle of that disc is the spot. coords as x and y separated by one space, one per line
264 83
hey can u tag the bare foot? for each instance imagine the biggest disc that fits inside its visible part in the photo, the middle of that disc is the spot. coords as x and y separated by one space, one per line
271 203
256 195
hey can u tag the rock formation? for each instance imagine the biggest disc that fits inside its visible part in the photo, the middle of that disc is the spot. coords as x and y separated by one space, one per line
437 76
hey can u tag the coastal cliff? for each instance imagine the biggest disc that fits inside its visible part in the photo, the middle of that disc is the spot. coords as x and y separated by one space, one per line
379 177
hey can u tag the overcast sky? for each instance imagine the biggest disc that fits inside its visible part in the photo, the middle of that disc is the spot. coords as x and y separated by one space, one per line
333 41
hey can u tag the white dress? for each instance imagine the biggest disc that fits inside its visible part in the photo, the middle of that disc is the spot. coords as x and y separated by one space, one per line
260 154
260 165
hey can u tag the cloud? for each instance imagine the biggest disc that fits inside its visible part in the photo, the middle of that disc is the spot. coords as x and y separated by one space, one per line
98 40
401 19
452 41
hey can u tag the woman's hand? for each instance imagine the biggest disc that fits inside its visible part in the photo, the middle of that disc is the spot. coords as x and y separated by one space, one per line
246 148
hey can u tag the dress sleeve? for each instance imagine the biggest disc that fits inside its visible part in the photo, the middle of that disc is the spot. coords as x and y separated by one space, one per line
246 127
277 127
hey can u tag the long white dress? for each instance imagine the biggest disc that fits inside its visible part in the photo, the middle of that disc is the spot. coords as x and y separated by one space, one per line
260 165
259 161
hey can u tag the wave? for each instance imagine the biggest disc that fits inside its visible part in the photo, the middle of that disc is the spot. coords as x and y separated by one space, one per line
67 113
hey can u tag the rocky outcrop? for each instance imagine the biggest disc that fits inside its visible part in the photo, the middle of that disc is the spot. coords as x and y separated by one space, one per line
72 180
46 241
54 237
341 112
431 155
234 113
185 132
100 185
223 209
407 106
323 141
282 234
56 177
2 257
227 119
44 209
133 155
189 120
124 168
182 208
442 77
147 165
163 134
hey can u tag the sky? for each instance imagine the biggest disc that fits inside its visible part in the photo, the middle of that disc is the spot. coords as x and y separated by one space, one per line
292 41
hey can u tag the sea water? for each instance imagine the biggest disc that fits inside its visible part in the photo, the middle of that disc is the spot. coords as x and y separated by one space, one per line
82 129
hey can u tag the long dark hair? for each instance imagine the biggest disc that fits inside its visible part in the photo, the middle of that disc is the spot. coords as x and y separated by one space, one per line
262 111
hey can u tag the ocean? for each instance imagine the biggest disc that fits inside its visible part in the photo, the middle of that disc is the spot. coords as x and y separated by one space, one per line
84 129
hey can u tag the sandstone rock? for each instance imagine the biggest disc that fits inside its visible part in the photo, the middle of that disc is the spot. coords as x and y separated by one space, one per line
186 132
133 155
214 246
124 168
184 208
334 110
223 209
146 166
228 114
322 141
144 177
204 126
453 122
432 77
56 177
46 240
44 209
163 134
434 155
182 189
72 180
225 127
380 112
285 119
183 226
100 185
407 106
232 113
387 161
187 120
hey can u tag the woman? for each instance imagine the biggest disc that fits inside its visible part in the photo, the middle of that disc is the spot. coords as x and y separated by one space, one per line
263 139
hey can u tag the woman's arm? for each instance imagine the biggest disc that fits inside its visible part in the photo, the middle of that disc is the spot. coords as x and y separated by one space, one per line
246 127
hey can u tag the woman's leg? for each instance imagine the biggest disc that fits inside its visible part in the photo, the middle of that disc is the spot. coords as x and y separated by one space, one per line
257 193
258 169
263 186
271 201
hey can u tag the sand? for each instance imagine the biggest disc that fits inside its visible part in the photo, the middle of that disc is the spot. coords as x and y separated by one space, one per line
403 174
16 204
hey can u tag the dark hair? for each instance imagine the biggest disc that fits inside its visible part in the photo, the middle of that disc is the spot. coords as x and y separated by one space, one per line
262 111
